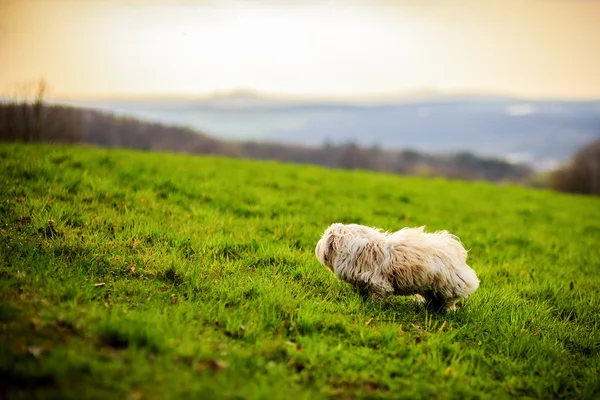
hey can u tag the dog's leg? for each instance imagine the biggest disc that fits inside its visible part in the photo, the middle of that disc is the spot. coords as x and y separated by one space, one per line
378 297
378 293
371 286
434 301
363 289
440 303
452 304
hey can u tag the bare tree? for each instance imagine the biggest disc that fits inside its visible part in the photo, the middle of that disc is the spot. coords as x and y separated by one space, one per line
38 110
23 111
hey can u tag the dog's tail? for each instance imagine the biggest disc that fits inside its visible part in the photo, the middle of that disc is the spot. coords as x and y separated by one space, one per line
469 279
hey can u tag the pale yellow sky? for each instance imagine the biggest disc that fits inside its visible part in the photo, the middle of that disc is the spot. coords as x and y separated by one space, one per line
534 48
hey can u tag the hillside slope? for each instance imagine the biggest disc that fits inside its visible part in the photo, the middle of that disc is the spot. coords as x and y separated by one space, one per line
145 275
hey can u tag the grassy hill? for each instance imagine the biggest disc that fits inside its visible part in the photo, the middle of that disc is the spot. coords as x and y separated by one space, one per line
142 275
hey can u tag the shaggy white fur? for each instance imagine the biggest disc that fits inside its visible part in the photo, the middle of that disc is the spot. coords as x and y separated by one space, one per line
407 262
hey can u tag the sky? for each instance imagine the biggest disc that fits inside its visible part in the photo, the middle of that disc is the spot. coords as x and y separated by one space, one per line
334 48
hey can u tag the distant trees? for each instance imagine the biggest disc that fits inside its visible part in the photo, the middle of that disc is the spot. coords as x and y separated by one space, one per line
582 174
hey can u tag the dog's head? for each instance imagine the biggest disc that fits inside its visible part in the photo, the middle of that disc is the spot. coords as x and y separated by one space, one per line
327 247
356 247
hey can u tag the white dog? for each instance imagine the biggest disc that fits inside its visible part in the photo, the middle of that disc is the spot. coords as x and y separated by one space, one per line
406 262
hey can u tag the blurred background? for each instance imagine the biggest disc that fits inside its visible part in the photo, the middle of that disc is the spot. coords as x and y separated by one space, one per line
505 91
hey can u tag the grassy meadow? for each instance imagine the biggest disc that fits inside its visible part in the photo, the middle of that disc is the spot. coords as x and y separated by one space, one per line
141 275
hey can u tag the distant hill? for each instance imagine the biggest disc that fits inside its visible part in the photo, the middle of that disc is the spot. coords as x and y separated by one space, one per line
536 131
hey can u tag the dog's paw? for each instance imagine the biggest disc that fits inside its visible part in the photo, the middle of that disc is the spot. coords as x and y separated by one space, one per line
453 306
418 299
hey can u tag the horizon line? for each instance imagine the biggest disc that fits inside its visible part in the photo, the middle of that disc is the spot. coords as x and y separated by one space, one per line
411 94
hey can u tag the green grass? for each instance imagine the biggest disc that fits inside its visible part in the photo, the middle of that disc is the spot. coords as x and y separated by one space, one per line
211 288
